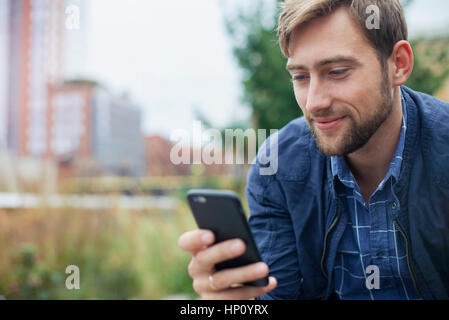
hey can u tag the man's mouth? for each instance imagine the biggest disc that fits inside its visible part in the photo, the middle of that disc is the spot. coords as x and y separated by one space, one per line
325 124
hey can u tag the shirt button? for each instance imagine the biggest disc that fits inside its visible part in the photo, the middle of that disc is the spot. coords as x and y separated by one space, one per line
394 205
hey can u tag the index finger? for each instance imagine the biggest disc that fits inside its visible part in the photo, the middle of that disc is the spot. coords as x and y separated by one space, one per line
195 240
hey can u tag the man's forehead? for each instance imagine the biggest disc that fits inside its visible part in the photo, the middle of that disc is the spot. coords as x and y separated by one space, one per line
332 35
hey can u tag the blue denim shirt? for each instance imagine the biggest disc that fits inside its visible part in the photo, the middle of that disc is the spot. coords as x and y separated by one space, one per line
298 221
370 237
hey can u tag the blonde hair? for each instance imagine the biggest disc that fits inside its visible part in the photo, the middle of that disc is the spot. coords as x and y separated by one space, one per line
393 26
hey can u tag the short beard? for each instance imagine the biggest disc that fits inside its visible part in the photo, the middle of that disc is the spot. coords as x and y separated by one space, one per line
362 133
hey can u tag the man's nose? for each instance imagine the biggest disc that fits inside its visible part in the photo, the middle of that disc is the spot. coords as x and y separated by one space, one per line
318 97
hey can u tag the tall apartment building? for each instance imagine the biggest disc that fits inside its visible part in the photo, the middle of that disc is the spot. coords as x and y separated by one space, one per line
43 115
4 70
35 56
75 41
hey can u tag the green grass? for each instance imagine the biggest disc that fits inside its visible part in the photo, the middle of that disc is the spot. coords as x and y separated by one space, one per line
120 254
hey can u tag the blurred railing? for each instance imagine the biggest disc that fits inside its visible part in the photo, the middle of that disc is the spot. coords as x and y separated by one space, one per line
89 202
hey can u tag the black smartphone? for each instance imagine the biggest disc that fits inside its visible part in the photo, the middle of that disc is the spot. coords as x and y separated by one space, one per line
221 212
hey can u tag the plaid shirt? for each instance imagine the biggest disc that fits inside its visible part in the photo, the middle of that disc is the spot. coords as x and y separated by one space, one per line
370 237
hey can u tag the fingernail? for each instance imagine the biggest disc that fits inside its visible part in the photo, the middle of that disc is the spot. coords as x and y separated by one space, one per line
236 246
207 238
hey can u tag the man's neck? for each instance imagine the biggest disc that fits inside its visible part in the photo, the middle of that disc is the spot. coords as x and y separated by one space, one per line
370 164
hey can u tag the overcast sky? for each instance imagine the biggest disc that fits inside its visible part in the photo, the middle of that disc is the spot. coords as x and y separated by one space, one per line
173 56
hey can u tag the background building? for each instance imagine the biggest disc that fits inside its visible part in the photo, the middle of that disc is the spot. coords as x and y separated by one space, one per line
4 66
86 129
117 139
75 42
157 150
93 130
35 53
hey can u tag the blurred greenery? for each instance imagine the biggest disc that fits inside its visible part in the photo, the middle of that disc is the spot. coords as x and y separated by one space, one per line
121 254
267 86
431 67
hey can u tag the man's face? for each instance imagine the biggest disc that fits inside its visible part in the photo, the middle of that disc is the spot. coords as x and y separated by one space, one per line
339 84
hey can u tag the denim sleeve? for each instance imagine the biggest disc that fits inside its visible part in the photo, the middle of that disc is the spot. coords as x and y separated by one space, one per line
274 235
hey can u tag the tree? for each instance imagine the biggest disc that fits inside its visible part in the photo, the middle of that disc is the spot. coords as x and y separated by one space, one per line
267 85
431 67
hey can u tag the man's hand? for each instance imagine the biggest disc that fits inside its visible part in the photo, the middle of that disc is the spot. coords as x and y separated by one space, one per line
224 284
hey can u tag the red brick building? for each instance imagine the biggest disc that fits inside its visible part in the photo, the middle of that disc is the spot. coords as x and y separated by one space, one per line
158 161
157 152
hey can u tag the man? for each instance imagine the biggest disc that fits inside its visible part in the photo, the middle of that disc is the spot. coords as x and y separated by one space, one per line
359 206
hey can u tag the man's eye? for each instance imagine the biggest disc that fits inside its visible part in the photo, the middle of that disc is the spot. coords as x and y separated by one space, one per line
299 77
338 72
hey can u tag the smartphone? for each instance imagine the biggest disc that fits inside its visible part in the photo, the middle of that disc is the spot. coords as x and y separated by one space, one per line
221 212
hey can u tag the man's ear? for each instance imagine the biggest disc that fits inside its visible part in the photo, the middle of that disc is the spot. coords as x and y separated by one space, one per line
401 62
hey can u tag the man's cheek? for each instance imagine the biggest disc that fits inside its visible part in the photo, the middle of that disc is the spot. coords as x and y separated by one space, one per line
301 104
300 98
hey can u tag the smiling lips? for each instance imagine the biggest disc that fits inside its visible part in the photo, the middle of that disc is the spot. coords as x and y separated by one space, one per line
325 124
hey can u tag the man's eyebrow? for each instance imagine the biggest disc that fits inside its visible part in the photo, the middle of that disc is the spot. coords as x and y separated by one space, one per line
322 63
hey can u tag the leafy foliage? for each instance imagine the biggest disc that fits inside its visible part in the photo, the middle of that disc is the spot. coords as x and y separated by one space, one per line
267 86
431 67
